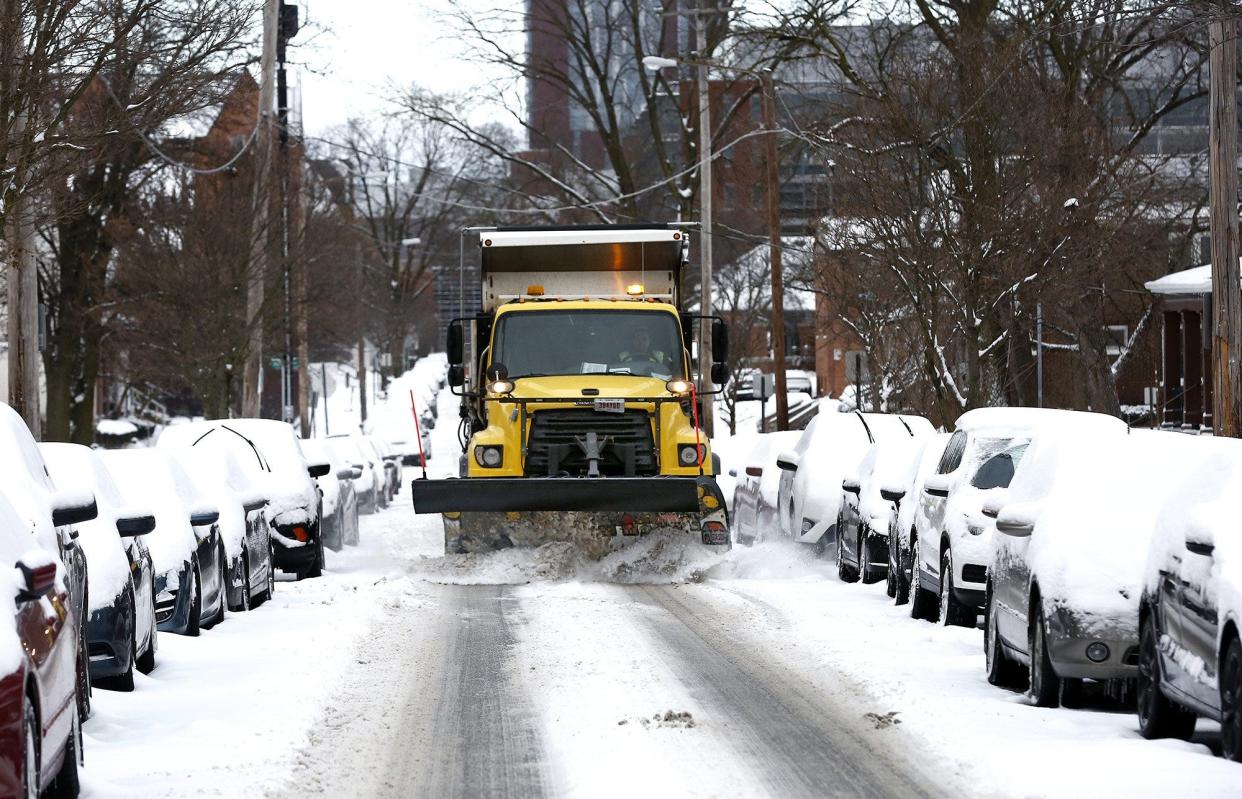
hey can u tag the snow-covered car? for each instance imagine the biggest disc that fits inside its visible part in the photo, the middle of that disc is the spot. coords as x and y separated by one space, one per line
754 494
903 490
293 509
1190 652
866 516
340 503
1071 539
953 545
373 461
347 450
120 632
40 728
188 555
51 512
238 495
809 495
392 464
799 381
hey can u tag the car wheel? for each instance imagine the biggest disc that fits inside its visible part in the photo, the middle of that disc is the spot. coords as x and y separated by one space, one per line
1045 686
195 624
1158 716
146 661
316 568
1002 672
952 612
847 574
1231 701
922 602
66 784
30 767
866 569
901 577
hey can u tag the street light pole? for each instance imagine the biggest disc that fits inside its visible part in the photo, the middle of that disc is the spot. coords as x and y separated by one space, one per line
774 258
705 243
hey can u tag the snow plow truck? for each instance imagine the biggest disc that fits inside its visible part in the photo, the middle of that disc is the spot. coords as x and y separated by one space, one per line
580 407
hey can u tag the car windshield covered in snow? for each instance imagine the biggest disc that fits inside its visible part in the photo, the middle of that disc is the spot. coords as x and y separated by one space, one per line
535 343
997 471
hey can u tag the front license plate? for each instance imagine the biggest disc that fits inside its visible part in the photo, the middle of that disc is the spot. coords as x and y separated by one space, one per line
610 405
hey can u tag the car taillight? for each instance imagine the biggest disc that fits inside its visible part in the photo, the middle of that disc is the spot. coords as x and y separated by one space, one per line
300 534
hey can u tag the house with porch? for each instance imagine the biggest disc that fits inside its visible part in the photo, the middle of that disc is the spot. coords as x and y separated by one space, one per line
1184 301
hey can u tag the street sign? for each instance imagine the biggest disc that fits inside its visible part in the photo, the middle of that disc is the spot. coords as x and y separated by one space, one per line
276 363
762 386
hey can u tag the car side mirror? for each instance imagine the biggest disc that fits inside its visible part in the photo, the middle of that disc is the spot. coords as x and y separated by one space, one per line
993 504
355 472
851 486
733 472
38 575
130 526
892 494
1016 519
787 461
253 502
202 517
720 348
319 469
455 344
73 507
344 474
936 485
1200 542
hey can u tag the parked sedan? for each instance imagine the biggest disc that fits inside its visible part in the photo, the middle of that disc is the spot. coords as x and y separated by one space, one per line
1072 533
1190 652
866 516
754 495
345 450
244 532
903 491
190 567
340 503
40 726
120 633
953 546
294 506
809 495
50 512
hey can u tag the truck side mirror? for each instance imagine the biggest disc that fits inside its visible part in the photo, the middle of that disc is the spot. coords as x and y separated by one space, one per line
455 346
720 373
457 375
720 344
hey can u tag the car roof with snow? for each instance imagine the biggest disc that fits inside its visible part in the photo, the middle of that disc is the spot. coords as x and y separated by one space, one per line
1006 419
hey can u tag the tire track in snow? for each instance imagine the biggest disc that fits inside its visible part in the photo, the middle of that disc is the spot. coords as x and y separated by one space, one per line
432 709
796 741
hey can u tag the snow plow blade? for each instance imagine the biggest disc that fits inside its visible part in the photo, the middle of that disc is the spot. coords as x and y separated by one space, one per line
598 515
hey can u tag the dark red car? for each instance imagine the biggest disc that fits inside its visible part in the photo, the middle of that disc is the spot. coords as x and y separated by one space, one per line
40 729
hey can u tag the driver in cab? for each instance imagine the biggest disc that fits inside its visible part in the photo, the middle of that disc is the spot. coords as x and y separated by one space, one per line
641 351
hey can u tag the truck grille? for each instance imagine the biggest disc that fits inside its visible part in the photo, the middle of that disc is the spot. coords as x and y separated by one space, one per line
626 446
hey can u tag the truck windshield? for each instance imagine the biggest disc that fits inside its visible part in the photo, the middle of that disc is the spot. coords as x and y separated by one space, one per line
576 342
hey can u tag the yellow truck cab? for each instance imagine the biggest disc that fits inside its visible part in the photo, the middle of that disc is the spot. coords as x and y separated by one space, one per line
579 397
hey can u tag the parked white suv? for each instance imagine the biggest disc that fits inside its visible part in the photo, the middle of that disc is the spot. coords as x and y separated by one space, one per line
953 541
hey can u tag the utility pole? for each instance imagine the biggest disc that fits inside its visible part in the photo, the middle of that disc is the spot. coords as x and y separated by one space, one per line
1223 195
257 277
774 258
287 28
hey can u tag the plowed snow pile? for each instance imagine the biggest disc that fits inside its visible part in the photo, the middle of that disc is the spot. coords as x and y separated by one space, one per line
656 558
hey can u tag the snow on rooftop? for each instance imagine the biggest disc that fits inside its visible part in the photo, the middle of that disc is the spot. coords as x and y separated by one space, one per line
1197 280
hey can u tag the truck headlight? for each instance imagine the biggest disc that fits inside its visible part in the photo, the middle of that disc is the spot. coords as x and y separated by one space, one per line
678 386
500 387
691 454
488 457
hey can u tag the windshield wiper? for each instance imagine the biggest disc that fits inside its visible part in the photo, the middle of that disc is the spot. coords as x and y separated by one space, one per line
257 454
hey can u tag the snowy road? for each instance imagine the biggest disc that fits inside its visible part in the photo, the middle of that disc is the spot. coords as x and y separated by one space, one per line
660 672
492 699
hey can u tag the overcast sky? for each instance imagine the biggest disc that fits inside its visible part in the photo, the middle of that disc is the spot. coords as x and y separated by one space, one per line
351 51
